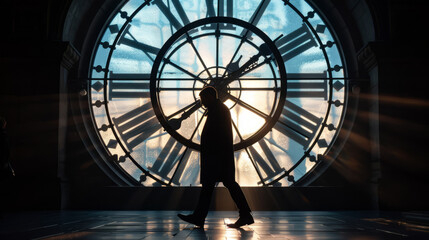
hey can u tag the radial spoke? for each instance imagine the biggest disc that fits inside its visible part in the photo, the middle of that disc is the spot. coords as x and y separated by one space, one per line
255 166
247 151
236 129
235 53
198 125
249 155
248 107
187 148
183 109
199 56
195 77
217 34
178 165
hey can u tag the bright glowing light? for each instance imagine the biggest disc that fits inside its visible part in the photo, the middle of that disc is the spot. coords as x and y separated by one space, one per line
247 122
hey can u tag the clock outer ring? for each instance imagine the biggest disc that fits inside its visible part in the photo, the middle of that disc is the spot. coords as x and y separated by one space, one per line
280 65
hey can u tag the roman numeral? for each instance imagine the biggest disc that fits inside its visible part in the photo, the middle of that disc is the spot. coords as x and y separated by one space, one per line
211 12
170 156
267 163
307 89
298 124
169 15
129 89
132 42
137 125
296 42
256 16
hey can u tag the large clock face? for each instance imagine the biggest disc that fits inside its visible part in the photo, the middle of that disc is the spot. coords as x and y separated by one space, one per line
275 64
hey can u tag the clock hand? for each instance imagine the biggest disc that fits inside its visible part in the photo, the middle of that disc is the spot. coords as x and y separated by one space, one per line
264 50
237 71
175 123
234 65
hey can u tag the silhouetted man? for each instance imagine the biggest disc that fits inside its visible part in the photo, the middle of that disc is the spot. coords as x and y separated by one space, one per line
217 161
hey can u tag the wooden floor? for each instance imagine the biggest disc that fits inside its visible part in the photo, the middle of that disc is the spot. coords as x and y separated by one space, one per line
166 225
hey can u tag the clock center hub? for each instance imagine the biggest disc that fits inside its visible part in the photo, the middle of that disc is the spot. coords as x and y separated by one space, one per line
217 81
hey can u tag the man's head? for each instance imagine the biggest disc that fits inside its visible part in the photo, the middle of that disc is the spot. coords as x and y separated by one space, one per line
208 96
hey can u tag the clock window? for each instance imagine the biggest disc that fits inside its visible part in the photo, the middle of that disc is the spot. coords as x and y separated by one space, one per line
276 64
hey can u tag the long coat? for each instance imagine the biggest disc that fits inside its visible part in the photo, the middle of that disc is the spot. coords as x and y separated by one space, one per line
217 153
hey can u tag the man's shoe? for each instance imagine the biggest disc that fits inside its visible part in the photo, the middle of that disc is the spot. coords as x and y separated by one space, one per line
192 219
243 220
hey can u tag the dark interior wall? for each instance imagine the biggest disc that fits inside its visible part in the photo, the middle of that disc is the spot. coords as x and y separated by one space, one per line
35 38
30 58
385 153
32 64
399 59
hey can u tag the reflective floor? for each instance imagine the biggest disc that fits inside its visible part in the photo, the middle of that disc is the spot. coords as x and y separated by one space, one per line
166 225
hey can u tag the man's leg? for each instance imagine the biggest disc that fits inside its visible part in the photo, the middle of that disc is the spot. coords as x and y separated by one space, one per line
200 213
238 197
204 201
241 202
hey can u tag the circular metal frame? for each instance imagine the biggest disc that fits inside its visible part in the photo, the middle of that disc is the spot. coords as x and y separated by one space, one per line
180 34
305 20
